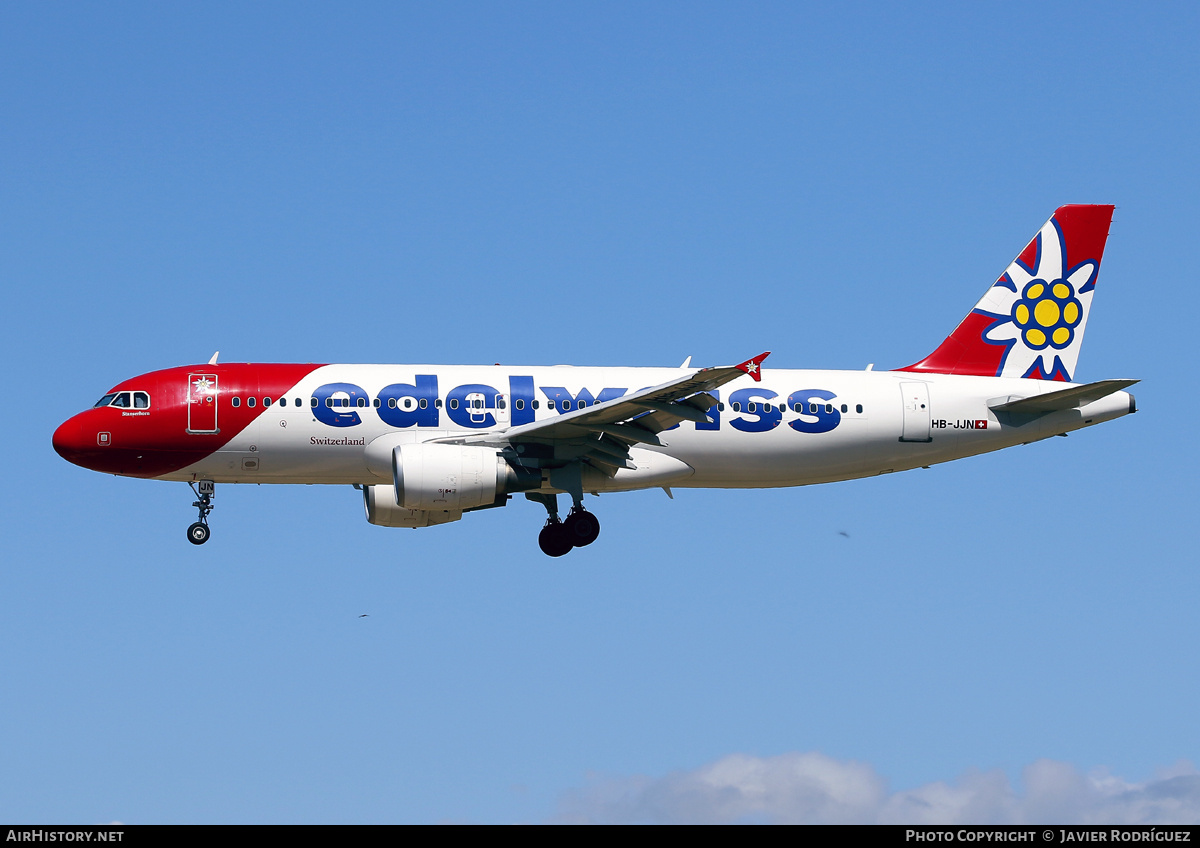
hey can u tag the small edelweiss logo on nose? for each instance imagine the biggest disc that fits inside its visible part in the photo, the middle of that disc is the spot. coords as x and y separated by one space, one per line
1047 314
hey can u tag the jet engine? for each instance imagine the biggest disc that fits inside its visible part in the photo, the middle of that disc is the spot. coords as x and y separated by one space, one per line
456 477
382 509
435 484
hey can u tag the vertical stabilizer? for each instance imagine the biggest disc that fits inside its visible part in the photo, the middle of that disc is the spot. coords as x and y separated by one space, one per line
1030 323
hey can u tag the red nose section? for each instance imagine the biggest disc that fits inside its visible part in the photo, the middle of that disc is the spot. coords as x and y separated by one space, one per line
69 440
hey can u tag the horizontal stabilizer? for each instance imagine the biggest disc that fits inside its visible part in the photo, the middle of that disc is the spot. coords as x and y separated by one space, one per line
1071 398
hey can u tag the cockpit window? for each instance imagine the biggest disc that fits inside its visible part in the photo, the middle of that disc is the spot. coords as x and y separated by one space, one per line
125 400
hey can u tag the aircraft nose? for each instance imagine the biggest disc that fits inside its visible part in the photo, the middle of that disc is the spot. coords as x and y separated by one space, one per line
69 440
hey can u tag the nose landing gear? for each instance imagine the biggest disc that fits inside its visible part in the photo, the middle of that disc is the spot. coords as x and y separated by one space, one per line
198 532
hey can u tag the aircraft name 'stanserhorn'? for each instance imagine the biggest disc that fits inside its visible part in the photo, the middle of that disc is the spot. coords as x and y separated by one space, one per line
427 443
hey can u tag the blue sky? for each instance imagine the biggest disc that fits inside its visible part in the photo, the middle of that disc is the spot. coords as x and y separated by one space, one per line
611 185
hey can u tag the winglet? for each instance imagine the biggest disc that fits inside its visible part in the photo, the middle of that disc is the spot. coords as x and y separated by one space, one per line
213 361
753 367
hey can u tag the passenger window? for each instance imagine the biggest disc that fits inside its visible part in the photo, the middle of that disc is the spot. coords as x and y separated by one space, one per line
283 401
454 403
519 403
391 403
549 404
250 401
266 402
501 403
328 403
437 404
721 407
536 404
424 404
141 400
237 401
858 408
737 407
828 408
766 407
845 408
752 407
812 408
378 403
312 401
581 404
362 402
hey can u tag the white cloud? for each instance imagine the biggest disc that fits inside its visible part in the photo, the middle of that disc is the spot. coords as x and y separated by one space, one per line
816 789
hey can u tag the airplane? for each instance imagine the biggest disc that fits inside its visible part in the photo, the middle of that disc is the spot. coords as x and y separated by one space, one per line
426 444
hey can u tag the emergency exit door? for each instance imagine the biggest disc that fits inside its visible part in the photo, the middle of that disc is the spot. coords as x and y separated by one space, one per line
916 412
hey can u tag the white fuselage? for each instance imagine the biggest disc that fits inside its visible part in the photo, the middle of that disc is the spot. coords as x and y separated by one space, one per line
850 423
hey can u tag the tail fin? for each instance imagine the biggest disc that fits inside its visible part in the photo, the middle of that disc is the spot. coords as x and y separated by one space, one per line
1031 321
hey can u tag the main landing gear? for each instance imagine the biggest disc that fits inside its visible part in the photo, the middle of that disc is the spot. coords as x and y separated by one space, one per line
558 537
198 532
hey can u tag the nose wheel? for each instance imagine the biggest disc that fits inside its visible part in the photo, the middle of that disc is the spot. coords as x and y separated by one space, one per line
198 532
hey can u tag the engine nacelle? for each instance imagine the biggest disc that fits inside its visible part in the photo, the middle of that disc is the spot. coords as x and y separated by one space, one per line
382 509
455 477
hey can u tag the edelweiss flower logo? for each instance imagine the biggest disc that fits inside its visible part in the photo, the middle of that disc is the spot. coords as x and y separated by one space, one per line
1047 314
1040 311
202 385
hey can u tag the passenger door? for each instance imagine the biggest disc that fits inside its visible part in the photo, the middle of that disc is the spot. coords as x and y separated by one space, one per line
202 404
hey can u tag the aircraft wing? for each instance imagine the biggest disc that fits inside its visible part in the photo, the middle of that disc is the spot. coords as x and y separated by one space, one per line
602 434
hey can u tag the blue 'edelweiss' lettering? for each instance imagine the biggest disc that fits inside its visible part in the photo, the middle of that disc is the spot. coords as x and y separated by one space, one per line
404 404
467 411
336 403
473 405
749 398
826 414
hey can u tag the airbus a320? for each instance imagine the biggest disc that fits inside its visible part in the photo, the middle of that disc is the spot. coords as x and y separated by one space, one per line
426 444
